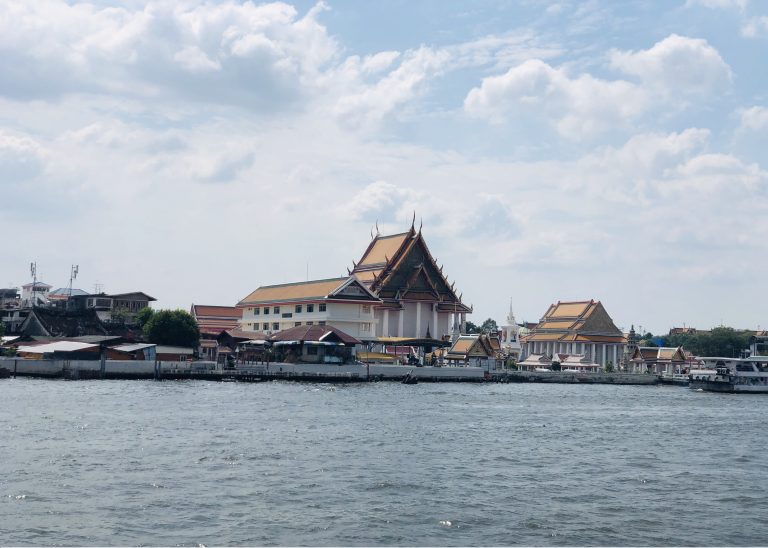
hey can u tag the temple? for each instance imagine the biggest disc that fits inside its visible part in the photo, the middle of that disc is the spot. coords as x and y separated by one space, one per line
577 328
417 301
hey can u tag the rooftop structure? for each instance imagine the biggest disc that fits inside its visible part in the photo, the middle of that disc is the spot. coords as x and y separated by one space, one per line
577 327
416 295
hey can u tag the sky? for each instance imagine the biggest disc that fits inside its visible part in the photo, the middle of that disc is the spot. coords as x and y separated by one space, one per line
551 151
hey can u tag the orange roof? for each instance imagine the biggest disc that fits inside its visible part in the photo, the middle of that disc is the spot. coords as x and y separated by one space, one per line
555 325
600 338
368 275
317 289
569 309
226 311
383 248
462 345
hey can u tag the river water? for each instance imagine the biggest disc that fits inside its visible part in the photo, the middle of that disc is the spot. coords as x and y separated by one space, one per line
278 463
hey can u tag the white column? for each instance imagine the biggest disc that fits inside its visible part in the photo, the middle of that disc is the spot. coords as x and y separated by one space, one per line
615 356
463 322
385 324
434 329
418 320
400 320
594 356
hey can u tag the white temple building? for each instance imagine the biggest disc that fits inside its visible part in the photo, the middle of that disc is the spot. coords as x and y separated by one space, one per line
510 336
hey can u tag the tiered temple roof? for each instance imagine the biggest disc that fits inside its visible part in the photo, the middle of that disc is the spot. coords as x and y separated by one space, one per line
400 266
576 321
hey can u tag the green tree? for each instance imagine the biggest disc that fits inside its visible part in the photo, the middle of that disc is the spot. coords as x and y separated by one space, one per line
488 326
721 341
144 315
471 327
609 367
172 327
2 329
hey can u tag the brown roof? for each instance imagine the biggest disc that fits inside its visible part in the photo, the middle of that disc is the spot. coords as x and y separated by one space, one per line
315 289
313 333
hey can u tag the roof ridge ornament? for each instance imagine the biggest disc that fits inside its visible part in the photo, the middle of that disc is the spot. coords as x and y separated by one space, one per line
377 229
413 221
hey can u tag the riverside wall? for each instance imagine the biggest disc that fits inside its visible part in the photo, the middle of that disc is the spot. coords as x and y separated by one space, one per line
135 369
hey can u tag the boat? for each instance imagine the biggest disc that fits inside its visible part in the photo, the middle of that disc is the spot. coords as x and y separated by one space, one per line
732 375
4 373
678 379
410 378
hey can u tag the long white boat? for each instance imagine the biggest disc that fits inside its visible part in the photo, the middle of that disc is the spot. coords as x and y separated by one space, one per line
733 375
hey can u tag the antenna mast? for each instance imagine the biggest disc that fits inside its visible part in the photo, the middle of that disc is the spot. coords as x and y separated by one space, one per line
72 275
33 272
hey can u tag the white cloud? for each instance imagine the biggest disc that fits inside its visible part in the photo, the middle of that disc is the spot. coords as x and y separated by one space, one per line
755 27
718 4
583 106
676 64
21 159
576 106
754 118
216 52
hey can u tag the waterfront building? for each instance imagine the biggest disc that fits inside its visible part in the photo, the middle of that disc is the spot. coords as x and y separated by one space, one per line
473 350
577 327
533 362
654 359
211 322
314 344
344 303
416 297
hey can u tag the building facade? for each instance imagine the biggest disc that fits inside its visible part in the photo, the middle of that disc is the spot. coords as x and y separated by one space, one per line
578 327
344 303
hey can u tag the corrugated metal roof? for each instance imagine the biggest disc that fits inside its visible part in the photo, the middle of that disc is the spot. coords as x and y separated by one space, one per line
57 346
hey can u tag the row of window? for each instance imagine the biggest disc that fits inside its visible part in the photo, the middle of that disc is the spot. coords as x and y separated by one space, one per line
298 309
276 326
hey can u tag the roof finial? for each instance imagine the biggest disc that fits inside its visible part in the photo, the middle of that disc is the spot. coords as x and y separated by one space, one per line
377 228
421 223
413 221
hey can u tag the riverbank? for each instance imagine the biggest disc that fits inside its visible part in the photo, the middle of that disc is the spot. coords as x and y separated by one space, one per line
115 369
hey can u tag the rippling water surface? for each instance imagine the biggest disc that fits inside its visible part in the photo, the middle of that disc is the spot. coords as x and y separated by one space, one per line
188 463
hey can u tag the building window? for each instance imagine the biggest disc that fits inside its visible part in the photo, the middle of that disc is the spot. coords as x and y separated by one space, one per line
296 324
366 326
321 307
310 323
321 322
310 308
276 310
256 311
275 326
266 327
312 351
266 310
298 309
366 309
250 310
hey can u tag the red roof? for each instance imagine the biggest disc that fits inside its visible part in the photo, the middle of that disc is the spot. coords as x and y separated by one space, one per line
314 333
